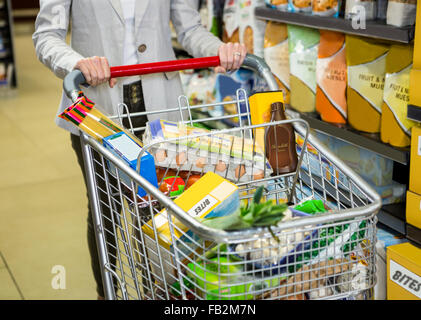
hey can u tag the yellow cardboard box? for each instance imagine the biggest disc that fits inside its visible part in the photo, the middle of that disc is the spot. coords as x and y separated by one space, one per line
417 41
414 82
415 166
403 272
210 196
260 111
413 209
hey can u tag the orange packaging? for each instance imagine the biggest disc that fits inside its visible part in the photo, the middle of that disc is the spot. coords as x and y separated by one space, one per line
331 78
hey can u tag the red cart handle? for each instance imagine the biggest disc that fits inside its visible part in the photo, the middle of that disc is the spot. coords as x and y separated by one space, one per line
165 66
75 79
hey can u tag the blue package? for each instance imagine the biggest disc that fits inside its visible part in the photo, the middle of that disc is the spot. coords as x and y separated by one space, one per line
124 147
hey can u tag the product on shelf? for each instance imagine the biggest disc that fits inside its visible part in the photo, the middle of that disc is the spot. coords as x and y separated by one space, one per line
210 196
276 55
366 60
395 126
200 88
215 10
361 9
281 5
385 237
303 48
401 13
326 8
381 9
280 142
230 18
331 78
299 5
226 86
252 30
232 157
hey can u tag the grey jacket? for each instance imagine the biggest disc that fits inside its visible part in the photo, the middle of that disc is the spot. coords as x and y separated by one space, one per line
97 29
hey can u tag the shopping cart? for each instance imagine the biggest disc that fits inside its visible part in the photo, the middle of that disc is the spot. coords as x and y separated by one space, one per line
322 256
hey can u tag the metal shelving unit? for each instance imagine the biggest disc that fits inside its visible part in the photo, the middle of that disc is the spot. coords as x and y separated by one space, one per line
7 53
414 113
390 215
349 135
374 29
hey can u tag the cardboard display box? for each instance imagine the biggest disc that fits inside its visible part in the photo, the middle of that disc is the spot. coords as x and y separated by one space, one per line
415 166
413 209
403 272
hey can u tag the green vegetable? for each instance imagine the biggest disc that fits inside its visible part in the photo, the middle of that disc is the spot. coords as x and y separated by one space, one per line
311 206
255 214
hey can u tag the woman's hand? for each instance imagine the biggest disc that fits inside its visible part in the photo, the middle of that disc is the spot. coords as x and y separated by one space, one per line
232 56
96 71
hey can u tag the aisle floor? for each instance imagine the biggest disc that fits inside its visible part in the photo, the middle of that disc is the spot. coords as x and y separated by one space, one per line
43 203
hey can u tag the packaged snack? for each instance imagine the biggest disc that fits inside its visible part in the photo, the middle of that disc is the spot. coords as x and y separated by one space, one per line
303 48
299 5
395 126
281 5
230 18
210 196
366 8
366 60
252 30
120 142
401 13
232 157
326 8
276 55
331 78
121 145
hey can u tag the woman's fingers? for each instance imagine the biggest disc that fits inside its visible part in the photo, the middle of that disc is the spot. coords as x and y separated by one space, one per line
223 56
237 56
232 56
95 69
220 70
112 82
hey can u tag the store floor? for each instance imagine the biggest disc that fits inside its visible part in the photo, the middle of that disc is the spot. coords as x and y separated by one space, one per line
43 203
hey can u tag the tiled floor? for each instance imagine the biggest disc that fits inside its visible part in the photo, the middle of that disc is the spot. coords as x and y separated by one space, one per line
43 206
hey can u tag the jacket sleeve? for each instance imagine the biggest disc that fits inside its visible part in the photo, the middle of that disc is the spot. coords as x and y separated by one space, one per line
191 34
51 28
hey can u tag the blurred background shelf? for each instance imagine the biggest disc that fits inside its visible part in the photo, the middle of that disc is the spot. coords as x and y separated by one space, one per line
372 142
414 112
374 29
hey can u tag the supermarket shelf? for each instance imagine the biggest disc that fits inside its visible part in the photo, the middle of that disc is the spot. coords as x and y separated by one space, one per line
393 216
374 29
414 235
374 144
414 113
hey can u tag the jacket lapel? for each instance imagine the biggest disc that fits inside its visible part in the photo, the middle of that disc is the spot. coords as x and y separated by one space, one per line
116 4
140 9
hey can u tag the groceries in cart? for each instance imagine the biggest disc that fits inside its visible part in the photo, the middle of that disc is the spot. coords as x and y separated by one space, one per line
86 117
210 196
117 140
187 148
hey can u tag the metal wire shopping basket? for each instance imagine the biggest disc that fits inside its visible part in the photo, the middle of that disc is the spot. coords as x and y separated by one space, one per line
322 256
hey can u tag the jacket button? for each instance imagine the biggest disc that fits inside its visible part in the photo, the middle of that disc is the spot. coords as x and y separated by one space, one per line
142 48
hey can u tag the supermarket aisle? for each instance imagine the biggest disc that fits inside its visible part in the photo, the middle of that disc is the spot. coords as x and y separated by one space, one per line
42 196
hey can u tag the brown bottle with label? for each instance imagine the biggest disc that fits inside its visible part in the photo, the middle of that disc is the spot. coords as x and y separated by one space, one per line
280 142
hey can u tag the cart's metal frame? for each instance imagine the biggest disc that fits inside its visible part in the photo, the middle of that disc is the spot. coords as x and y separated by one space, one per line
358 204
